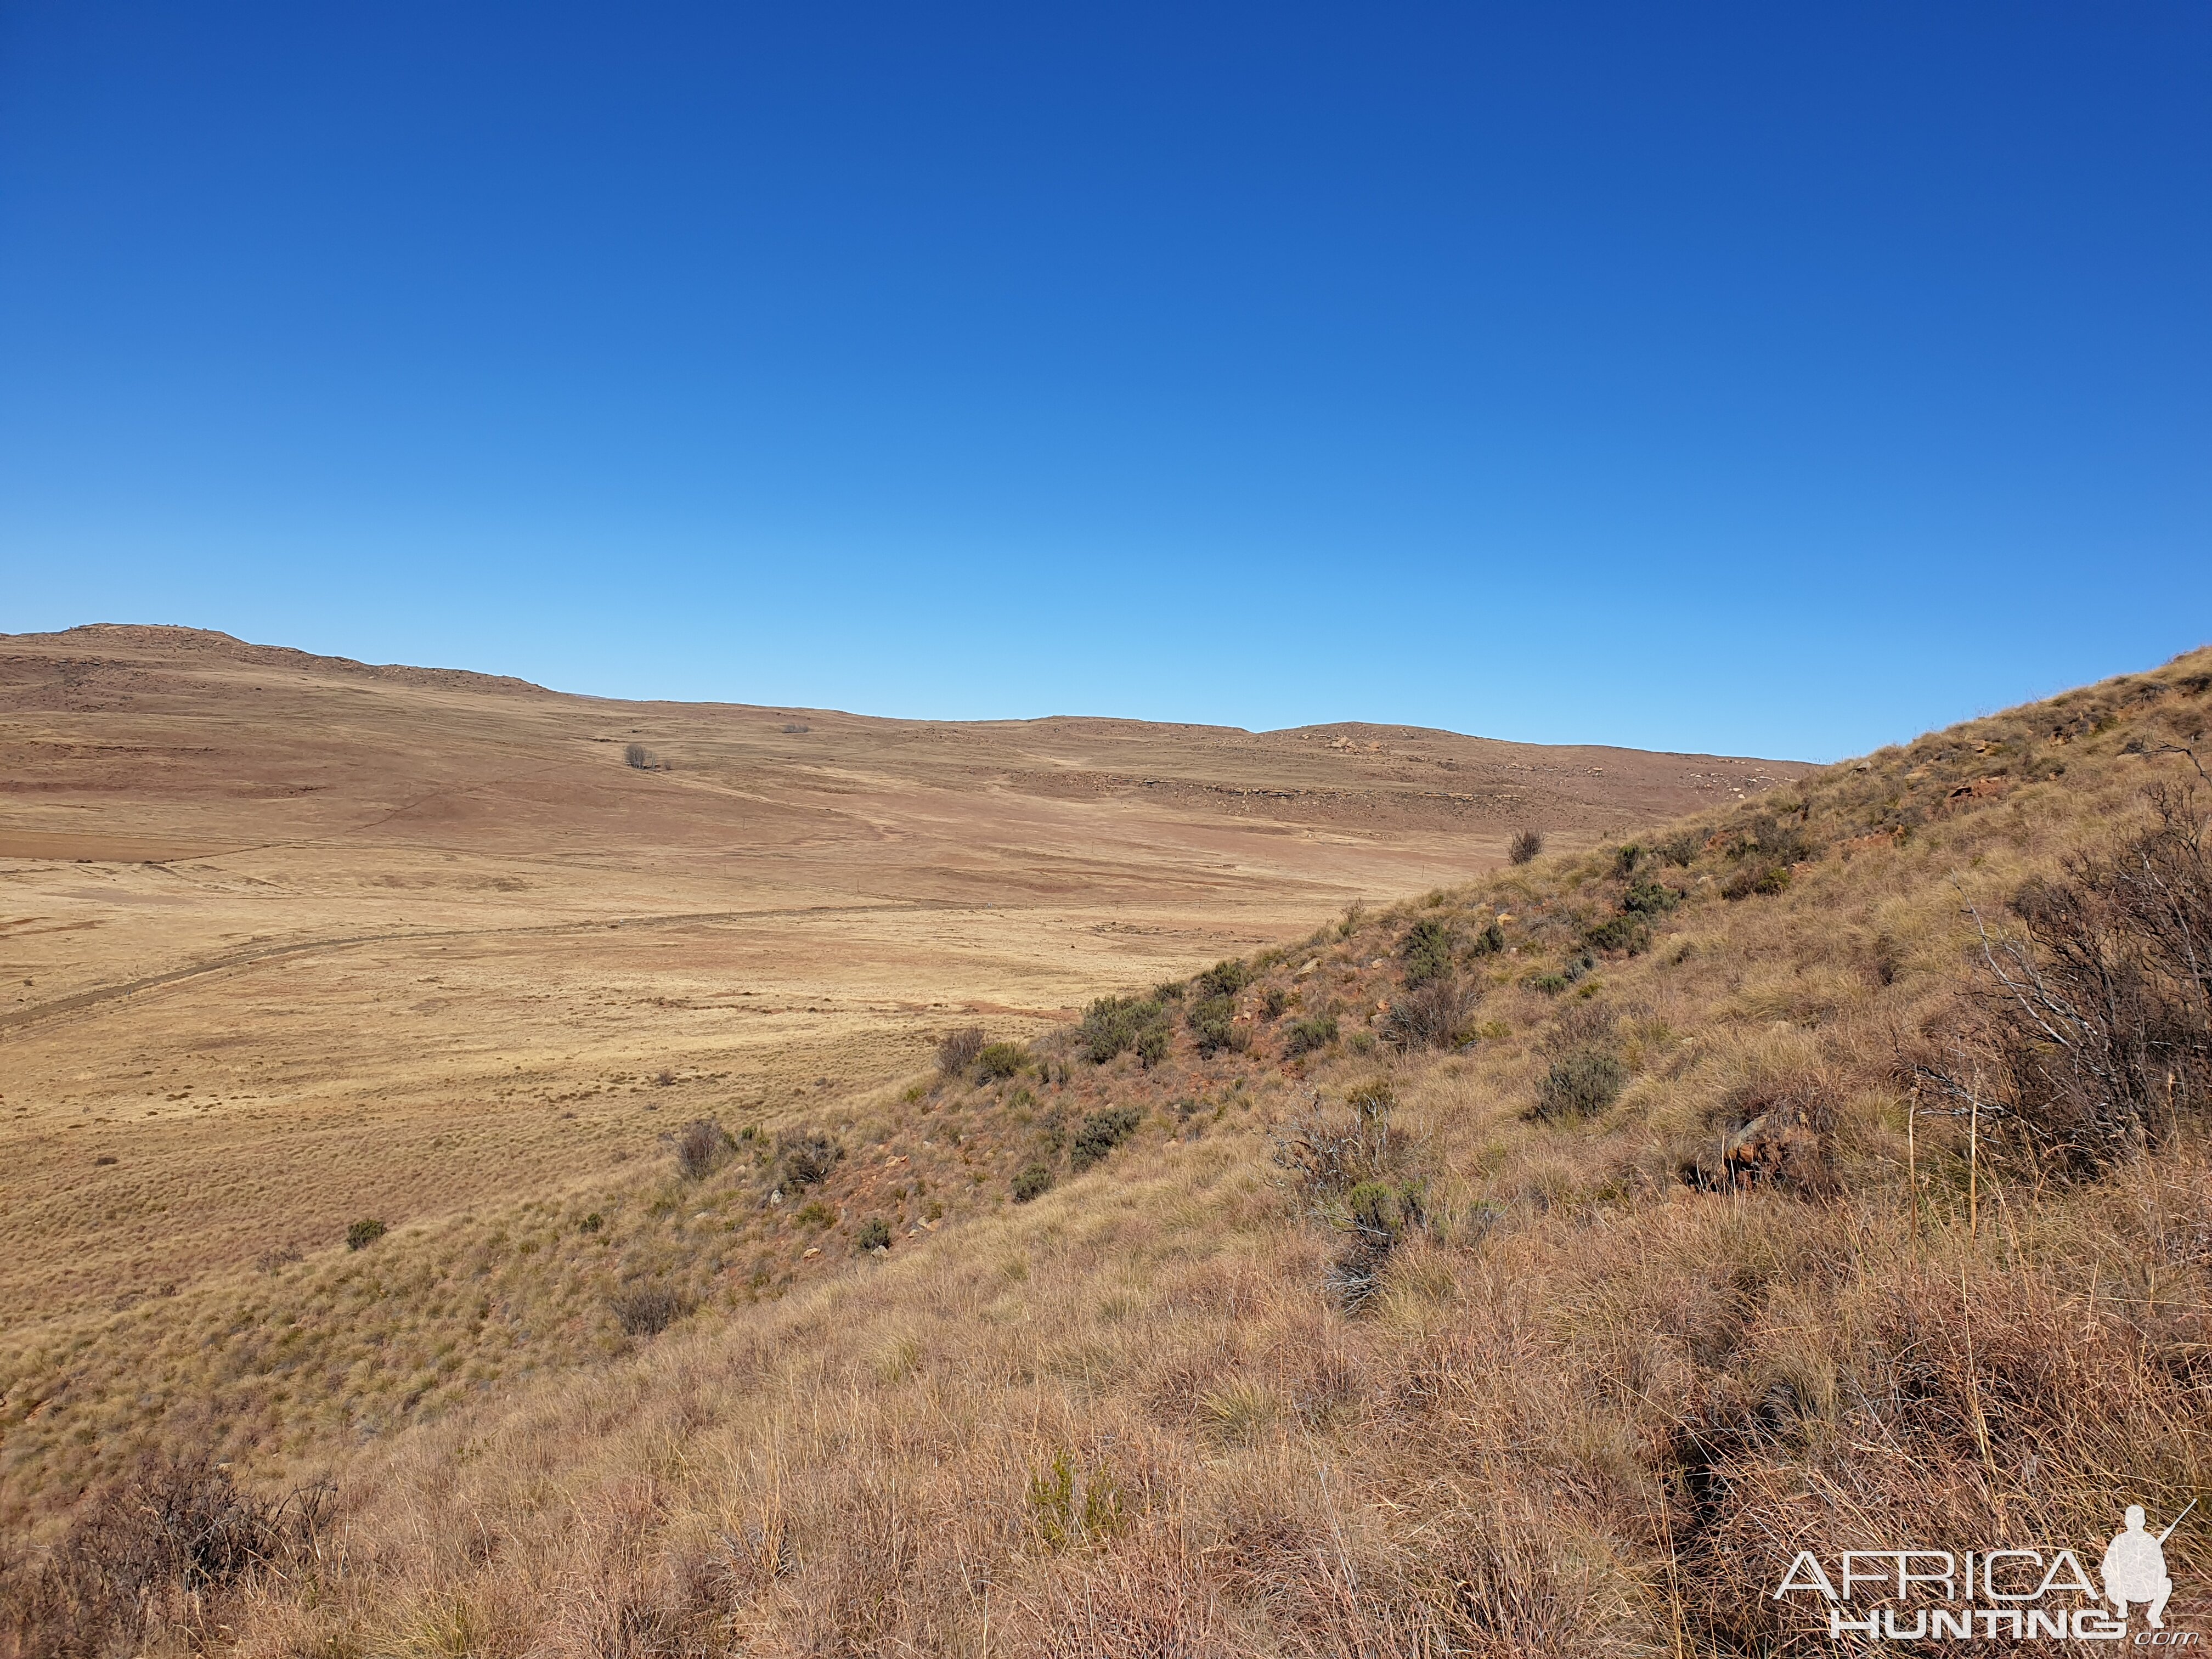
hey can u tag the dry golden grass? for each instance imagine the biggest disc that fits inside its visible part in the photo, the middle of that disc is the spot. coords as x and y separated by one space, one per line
1593 1407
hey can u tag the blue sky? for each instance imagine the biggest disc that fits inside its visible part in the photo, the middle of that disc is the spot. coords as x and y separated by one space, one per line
1774 379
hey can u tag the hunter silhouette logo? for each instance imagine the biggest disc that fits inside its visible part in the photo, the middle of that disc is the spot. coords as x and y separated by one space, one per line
2026 1594
2134 1568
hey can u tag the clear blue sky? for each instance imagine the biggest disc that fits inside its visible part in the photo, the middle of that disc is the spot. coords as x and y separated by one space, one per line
1773 378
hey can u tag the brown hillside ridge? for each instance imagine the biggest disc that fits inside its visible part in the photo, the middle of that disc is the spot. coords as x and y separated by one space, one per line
1532 1265
295 939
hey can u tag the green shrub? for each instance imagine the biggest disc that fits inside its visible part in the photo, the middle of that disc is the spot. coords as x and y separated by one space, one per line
1213 1020
1112 1025
1002 1060
1305 1035
1225 979
875 1234
1033 1182
817 1214
1102 1132
1647 898
1626 858
1526 845
1581 1081
362 1234
1274 1003
1756 878
1681 848
1151 1046
1629 933
1490 941
1169 990
591 1224
1426 951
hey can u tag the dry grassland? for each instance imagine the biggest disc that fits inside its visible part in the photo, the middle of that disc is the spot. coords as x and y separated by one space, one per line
1556 1336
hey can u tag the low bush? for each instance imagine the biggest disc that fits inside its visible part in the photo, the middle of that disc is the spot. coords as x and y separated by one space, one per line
1151 1046
1756 878
999 1061
1111 1026
1681 848
1489 942
700 1145
1212 1021
1526 845
1647 896
1426 951
1033 1181
1582 1081
1225 979
1307 1035
1626 933
875 1234
804 1156
362 1234
156 1554
1274 1003
957 1051
1432 1015
1102 1132
646 1309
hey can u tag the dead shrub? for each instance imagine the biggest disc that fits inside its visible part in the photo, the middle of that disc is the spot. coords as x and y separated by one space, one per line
1526 846
1433 1015
700 1145
804 1156
2096 1027
646 1309
957 1051
161 1550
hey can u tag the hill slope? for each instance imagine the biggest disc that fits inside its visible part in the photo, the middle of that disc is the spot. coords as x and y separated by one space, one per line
1532 1266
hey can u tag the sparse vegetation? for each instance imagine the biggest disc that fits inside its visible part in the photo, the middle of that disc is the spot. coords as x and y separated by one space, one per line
875 1234
362 1234
1525 846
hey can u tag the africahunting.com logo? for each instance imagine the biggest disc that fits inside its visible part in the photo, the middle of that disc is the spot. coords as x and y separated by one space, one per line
2024 1595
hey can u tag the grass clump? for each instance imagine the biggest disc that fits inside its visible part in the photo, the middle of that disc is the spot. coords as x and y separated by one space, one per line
1586 1073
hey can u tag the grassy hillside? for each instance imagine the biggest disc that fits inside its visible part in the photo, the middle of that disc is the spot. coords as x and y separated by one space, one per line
1532 1266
